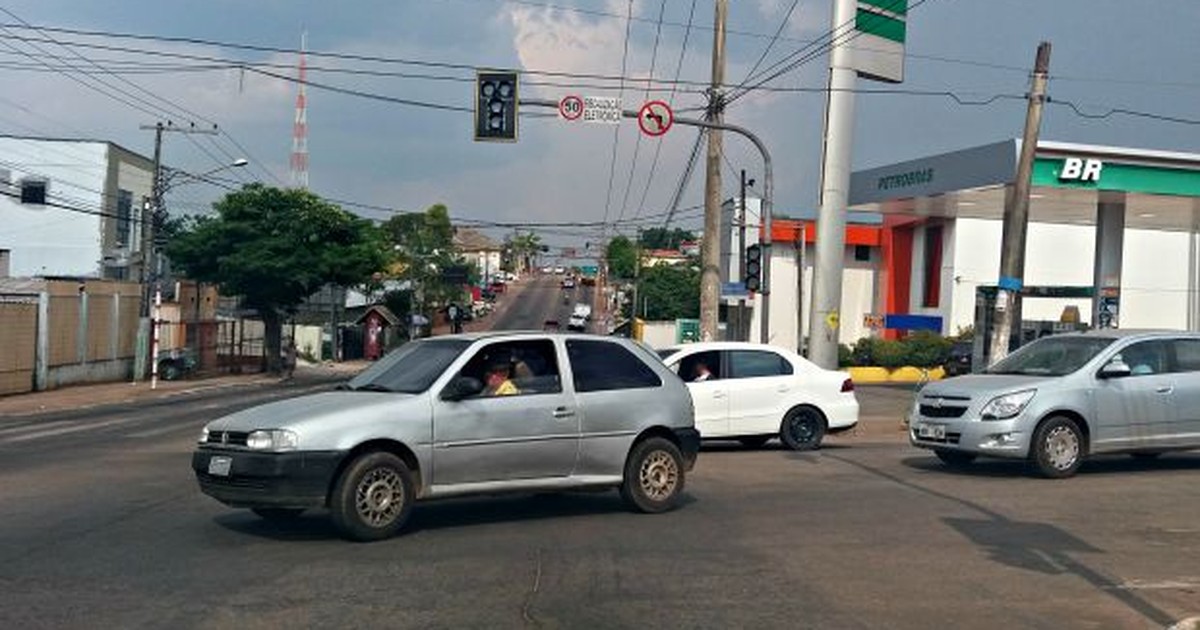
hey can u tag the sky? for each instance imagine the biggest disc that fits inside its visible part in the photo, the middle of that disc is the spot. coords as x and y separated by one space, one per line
391 157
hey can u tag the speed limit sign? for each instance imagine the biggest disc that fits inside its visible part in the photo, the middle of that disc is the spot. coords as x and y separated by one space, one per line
570 107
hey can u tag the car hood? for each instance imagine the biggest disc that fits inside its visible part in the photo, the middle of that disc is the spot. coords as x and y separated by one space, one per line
972 385
295 413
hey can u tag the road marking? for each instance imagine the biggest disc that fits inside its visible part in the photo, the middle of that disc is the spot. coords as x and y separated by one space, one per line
1186 583
83 426
164 430
33 426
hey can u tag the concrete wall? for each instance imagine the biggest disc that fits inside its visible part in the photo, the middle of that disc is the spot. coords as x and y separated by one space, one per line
18 341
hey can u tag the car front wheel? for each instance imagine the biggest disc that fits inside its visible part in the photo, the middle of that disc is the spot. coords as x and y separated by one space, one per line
1058 448
373 497
802 429
654 476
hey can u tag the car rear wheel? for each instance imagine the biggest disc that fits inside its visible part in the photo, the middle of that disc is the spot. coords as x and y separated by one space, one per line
277 514
1058 448
955 459
373 497
802 429
757 441
654 476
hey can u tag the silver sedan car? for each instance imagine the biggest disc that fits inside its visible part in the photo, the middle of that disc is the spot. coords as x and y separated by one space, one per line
460 415
1065 397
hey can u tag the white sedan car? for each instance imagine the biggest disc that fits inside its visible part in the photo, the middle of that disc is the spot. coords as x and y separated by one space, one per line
754 392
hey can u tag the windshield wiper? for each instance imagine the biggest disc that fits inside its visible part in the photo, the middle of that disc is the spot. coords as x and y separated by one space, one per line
371 387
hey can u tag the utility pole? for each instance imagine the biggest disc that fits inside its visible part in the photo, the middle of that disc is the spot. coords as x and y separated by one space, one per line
741 256
1016 216
835 184
710 247
801 262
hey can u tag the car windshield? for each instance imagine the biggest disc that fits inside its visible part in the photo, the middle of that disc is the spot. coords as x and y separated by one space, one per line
1051 356
410 369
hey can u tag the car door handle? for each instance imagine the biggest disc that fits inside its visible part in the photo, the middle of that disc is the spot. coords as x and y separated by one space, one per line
718 394
1164 389
783 388
563 412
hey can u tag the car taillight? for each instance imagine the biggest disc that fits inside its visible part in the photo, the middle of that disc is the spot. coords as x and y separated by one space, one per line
847 385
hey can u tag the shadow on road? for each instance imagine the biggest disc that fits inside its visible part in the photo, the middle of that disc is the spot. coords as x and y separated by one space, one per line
1103 465
1030 546
451 513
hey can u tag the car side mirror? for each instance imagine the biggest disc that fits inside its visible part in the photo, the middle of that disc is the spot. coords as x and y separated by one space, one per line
462 388
1115 368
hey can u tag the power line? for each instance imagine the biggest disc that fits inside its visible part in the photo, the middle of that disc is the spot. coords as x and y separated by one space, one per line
1113 111
612 166
771 44
637 147
658 147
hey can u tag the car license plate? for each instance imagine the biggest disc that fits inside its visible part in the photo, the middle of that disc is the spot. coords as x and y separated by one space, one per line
932 431
219 466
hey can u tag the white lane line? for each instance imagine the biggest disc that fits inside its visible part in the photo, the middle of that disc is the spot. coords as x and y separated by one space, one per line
85 426
35 426
167 429
1185 583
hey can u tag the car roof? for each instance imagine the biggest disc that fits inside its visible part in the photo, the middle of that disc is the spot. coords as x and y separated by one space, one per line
700 346
1130 333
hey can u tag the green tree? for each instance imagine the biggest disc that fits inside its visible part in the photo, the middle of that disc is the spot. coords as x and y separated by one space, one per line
423 249
669 292
524 250
664 238
274 248
621 255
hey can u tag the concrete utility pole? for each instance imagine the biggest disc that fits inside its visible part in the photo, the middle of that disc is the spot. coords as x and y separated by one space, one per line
740 256
1016 216
710 247
835 184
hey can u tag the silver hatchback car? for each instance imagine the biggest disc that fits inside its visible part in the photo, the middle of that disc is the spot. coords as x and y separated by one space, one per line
459 415
1064 397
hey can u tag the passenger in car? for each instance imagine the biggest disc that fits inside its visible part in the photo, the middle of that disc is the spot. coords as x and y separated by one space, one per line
498 381
700 372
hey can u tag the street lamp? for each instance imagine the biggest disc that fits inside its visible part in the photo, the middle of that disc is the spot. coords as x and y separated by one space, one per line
153 253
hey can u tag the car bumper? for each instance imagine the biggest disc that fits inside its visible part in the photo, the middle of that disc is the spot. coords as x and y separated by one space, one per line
299 479
993 438
689 445
842 415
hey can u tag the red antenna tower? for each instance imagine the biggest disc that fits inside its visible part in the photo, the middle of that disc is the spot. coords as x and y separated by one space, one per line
300 126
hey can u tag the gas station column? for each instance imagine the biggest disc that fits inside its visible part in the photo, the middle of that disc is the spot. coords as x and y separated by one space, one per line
1110 241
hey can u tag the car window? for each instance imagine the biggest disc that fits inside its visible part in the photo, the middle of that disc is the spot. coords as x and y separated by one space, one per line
757 363
1056 355
601 366
1187 355
1146 357
515 368
411 368
699 367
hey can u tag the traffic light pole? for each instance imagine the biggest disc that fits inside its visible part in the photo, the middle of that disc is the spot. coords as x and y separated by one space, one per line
767 202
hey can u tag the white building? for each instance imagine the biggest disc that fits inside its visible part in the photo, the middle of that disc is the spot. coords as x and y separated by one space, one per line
1117 229
480 251
72 207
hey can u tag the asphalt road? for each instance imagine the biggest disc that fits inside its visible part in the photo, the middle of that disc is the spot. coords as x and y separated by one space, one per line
101 525
543 299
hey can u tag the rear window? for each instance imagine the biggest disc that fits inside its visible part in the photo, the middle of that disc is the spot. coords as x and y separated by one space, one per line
599 366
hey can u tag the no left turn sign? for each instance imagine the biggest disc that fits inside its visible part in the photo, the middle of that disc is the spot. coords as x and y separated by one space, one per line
570 107
655 118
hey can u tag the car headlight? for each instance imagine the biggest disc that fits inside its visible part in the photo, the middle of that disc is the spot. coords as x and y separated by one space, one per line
203 435
1008 405
272 440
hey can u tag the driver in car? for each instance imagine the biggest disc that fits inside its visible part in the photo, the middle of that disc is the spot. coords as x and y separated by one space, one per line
498 380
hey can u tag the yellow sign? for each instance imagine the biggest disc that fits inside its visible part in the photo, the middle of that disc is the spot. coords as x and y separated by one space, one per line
831 320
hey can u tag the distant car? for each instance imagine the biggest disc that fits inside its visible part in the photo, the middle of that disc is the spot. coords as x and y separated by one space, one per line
577 323
582 310
498 286
177 363
568 284
755 392
547 269
460 415
1062 398
560 270
959 360
550 325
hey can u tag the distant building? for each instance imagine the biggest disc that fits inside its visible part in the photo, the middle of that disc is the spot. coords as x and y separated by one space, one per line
479 250
655 257
72 207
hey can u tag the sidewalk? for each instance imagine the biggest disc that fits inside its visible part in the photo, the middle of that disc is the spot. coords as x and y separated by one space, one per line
85 396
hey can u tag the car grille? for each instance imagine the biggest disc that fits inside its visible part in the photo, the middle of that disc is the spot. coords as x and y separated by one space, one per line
932 411
242 483
228 438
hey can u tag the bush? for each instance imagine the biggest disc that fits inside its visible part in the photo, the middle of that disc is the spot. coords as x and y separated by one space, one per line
926 349
923 349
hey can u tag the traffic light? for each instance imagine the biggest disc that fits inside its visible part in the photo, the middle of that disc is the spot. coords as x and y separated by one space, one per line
496 106
753 268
